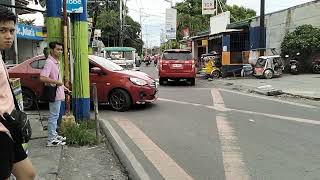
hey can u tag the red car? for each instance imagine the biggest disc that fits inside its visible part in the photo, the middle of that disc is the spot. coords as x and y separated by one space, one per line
118 87
177 64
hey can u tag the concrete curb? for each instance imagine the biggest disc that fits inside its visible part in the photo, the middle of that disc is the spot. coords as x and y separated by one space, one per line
270 92
238 87
127 158
302 96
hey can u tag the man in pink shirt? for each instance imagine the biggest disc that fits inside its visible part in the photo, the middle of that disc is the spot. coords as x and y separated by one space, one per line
50 75
13 158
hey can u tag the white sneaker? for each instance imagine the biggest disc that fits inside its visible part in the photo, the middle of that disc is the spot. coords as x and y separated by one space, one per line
61 138
55 142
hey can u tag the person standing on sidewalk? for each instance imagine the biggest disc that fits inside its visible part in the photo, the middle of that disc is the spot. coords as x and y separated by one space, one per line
50 75
13 158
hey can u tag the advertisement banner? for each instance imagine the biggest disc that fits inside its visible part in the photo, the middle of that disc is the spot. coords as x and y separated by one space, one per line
208 7
219 23
171 23
74 6
29 32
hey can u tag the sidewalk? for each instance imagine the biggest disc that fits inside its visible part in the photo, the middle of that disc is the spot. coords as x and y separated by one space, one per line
303 85
68 162
45 160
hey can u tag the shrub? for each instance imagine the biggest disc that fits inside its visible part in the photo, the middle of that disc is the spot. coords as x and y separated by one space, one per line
305 39
80 134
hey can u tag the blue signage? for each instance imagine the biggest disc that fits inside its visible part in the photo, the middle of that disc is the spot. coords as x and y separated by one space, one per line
29 32
74 6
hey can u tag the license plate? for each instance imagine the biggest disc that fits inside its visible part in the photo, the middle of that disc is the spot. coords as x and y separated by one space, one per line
293 66
177 65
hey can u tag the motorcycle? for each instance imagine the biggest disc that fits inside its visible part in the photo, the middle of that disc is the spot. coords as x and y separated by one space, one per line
148 62
294 65
155 62
316 66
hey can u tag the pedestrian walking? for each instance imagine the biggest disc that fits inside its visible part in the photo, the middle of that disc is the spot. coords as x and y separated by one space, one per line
54 90
13 158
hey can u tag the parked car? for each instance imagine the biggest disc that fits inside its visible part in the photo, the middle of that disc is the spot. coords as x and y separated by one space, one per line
177 64
118 87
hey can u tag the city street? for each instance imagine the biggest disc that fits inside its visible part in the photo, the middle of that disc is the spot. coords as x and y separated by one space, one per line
204 132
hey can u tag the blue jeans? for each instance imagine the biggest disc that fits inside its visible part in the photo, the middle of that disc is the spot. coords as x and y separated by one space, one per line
54 108
62 112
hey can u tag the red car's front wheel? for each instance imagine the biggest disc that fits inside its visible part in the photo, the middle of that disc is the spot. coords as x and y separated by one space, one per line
120 100
29 99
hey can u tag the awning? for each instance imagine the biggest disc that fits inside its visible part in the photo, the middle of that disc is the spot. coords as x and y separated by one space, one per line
240 24
199 37
219 35
119 49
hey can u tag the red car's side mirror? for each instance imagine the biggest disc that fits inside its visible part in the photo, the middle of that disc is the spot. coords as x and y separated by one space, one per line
97 70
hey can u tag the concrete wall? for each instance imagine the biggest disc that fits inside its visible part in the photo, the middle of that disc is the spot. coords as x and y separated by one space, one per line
29 48
281 22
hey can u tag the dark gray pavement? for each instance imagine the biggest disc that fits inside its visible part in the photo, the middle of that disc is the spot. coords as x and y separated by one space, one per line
183 124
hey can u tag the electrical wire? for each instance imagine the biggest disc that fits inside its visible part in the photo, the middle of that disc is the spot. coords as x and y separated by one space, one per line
236 20
146 13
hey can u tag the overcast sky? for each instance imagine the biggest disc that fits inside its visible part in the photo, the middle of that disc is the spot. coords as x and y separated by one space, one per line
153 13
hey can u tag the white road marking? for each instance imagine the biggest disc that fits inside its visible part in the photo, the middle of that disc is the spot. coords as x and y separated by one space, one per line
217 107
224 109
234 165
270 99
166 166
288 118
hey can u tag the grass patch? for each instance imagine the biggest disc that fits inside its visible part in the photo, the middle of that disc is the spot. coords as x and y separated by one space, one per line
80 134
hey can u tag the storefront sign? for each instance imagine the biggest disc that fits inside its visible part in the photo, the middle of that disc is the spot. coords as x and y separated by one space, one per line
74 6
171 23
29 32
205 42
208 7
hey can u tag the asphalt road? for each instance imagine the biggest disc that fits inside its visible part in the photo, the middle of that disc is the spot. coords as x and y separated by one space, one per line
206 133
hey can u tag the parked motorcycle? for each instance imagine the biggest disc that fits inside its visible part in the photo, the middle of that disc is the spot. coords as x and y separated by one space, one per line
155 62
294 65
316 66
148 62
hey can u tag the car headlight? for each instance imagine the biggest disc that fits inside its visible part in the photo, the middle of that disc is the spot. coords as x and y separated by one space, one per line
139 82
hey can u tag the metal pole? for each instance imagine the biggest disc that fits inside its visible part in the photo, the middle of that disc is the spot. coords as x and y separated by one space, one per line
65 54
141 33
262 27
96 111
121 24
16 57
217 7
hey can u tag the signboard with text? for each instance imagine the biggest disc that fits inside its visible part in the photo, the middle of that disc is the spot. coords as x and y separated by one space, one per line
29 32
171 23
208 7
74 6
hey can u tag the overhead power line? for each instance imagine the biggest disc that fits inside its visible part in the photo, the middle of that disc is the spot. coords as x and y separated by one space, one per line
21 7
148 14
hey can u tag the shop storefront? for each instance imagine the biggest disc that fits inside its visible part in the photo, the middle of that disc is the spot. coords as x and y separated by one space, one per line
30 40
